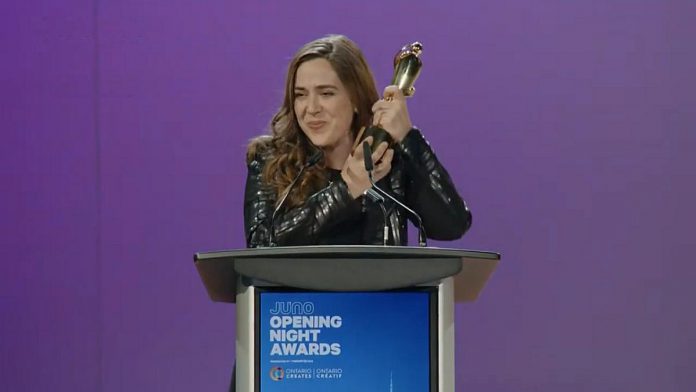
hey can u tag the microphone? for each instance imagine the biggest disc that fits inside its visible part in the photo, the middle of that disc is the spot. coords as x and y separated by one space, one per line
373 194
368 160
369 166
313 159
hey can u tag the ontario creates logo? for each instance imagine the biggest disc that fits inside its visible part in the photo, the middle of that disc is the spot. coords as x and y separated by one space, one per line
277 373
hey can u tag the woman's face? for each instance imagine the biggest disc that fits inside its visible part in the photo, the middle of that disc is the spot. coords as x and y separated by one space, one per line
322 105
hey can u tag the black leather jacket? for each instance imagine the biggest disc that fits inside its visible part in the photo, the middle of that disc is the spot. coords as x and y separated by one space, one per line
417 179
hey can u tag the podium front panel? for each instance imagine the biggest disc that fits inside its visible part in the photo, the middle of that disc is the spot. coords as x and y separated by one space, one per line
349 341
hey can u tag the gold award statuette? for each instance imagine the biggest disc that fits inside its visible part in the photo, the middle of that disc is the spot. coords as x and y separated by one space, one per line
407 67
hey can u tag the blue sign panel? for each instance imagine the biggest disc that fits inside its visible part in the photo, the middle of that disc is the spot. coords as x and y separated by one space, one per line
348 342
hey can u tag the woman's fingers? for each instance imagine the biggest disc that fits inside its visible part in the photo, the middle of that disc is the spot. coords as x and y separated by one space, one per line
379 151
391 113
358 152
392 92
384 166
354 172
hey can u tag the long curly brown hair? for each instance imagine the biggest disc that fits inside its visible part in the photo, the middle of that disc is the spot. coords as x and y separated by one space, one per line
287 148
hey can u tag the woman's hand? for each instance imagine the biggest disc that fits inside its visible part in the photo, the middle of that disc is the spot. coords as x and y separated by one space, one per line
354 172
391 113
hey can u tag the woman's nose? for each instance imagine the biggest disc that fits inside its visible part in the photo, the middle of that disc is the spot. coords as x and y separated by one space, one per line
314 106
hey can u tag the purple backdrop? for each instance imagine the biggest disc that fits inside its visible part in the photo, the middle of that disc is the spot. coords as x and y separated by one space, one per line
568 126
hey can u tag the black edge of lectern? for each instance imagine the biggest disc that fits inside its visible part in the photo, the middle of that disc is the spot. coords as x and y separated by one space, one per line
345 268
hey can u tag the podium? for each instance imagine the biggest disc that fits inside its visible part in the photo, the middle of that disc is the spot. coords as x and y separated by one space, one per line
304 313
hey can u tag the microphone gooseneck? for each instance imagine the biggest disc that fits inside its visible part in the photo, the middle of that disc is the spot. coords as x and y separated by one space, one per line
313 160
373 194
369 166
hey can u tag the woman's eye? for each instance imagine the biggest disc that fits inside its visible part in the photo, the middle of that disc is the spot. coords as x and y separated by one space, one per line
327 93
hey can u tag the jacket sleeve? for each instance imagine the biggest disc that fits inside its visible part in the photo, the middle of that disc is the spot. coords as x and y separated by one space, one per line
300 225
430 191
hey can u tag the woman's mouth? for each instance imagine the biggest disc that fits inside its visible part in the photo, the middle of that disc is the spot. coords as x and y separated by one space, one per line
315 124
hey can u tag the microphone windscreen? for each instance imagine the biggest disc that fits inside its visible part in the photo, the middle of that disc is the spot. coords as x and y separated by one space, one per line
367 155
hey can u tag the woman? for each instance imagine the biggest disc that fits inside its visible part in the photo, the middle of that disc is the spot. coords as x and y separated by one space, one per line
330 95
